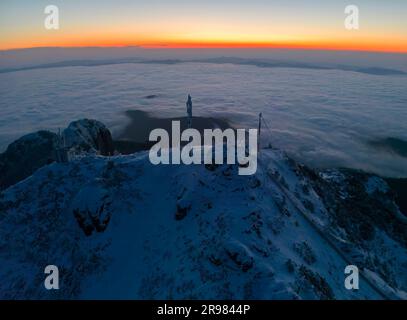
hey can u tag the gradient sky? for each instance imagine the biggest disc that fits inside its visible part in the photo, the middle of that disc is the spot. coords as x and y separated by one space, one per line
210 23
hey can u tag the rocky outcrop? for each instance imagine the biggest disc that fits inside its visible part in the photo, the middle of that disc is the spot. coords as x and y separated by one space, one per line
91 208
89 136
362 211
25 155
361 203
33 151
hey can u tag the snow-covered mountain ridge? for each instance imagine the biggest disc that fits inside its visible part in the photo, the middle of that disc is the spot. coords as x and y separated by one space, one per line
120 227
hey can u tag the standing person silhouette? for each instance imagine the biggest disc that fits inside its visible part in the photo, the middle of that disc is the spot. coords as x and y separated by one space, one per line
189 111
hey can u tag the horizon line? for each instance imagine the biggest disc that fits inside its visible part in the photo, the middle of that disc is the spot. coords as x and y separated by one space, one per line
218 46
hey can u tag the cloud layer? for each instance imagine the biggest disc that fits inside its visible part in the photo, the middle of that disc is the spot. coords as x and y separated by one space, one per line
323 117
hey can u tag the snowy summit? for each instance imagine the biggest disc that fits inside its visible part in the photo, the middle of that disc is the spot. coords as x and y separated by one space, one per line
121 227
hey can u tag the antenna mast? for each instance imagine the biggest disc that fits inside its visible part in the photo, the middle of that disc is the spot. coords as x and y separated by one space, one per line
258 133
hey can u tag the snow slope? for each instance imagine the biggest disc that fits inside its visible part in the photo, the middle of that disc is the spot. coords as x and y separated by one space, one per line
119 227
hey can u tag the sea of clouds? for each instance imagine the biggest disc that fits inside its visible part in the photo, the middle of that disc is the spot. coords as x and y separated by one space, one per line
322 117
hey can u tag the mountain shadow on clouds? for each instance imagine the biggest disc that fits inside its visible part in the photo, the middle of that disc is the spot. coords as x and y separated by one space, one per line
391 145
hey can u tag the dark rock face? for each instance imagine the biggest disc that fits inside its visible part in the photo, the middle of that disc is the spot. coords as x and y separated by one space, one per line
104 142
400 188
359 203
25 155
239 256
91 207
33 151
318 283
182 211
90 221
305 252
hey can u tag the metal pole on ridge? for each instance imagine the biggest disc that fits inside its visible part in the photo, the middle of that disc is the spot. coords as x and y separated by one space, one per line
189 111
258 133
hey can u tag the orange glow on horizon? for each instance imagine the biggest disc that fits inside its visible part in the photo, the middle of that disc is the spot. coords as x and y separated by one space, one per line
372 45
281 45
217 44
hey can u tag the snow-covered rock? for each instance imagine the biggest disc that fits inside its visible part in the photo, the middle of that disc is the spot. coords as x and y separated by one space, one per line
282 233
89 136
32 151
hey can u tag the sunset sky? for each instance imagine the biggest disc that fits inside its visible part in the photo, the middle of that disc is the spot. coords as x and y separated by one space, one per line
314 24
